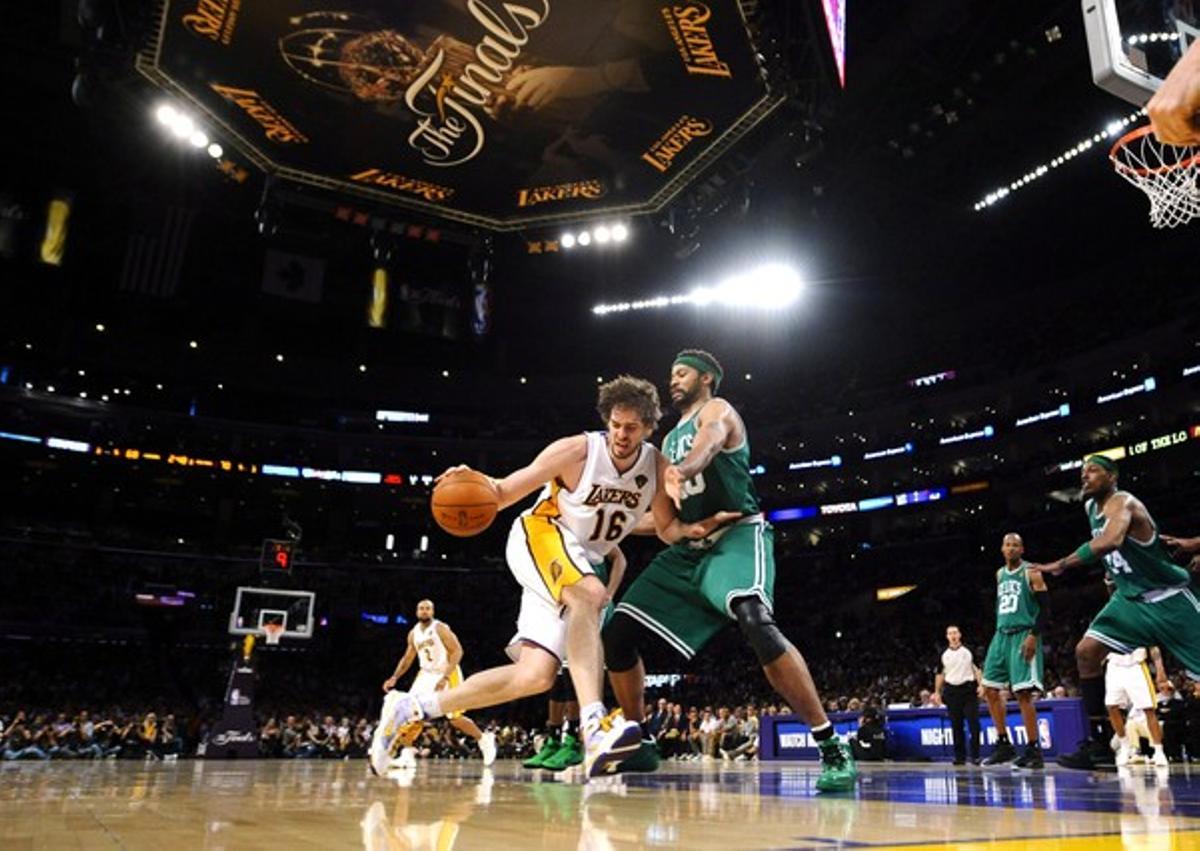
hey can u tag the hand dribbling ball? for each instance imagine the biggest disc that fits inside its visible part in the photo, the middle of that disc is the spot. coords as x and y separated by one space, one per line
464 503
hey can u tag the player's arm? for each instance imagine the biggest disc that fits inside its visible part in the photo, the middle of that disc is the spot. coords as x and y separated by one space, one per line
1041 593
410 655
555 461
454 650
1118 513
1160 670
939 682
714 424
616 571
669 527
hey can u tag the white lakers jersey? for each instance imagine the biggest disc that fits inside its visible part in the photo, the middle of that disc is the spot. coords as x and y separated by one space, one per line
605 505
430 650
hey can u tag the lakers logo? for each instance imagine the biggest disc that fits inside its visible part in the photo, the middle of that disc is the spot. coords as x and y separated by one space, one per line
556 570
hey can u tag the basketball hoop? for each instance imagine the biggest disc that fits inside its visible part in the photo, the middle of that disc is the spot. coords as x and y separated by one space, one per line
273 632
1168 174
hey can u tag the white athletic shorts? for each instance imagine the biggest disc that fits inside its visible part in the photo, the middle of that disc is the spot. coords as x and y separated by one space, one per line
544 558
1129 686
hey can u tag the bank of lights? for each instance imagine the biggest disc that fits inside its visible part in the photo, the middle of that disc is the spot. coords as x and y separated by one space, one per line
1111 131
183 127
767 287
599 235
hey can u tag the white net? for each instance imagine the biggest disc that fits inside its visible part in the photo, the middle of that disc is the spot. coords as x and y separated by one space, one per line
273 632
1168 174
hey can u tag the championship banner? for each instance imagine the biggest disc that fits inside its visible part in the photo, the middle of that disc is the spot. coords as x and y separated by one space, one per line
499 113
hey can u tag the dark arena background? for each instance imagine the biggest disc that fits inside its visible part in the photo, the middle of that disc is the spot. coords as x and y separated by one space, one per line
267 269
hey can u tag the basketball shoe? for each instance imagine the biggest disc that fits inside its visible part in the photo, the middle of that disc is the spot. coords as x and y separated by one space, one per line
608 740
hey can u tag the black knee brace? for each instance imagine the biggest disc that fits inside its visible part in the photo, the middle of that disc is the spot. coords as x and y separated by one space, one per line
756 623
621 638
562 691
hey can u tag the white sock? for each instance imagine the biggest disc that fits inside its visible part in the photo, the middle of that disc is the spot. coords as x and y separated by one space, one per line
590 715
431 704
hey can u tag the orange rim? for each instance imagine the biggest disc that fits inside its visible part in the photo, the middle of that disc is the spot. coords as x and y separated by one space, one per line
1165 168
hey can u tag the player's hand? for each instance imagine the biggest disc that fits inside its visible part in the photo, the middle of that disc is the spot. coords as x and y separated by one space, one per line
457 468
704 528
1186 546
980 691
1162 681
1173 108
1054 568
389 684
1029 647
673 484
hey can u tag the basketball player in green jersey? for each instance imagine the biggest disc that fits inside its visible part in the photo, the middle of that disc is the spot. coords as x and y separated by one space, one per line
690 592
1014 658
1151 602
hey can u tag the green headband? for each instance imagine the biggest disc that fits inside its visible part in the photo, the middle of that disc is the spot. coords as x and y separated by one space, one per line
1102 461
700 364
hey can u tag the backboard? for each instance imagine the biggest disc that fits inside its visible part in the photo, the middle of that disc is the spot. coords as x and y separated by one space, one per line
253 607
1133 44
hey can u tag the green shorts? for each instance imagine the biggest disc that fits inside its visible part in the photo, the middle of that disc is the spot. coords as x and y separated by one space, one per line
1006 667
684 594
1172 623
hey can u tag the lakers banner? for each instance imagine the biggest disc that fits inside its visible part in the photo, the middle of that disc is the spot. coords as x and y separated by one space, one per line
502 113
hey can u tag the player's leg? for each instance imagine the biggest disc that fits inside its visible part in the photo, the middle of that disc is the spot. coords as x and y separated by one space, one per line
569 747
660 605
1026 677
996 677
555 715
1032 756
737 579
971 709
1119 626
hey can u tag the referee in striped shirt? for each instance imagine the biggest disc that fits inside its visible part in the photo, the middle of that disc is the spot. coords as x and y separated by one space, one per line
957 687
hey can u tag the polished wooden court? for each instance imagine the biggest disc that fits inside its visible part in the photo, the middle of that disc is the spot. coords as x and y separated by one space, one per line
289 805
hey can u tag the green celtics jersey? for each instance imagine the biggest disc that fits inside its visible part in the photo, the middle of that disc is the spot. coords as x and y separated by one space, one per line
1136 568
1016 607
724 485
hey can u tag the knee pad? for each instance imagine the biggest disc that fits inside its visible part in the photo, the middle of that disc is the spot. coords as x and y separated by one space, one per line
620 638
562 691
758 626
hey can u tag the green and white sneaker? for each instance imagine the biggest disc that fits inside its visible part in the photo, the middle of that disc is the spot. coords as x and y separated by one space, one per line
838 771
645 759
570 752
538 760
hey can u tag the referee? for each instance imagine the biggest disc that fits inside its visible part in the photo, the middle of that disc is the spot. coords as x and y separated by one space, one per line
957 687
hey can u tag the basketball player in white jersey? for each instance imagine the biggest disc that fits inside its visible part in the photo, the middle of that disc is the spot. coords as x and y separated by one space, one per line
437 649
595 488
1127 685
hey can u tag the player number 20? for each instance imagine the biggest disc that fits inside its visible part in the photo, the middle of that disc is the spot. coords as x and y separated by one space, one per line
616 525
1008 604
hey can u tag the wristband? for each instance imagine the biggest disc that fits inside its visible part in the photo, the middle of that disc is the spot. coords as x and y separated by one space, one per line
1085 554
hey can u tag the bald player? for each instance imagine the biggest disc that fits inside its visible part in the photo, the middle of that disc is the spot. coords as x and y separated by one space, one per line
1014 657
439 652
1151 602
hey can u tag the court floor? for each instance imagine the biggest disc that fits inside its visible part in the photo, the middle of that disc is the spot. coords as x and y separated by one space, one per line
443 805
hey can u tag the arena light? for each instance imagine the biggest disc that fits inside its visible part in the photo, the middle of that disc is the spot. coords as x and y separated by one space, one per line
68 445
769 287
198 139
215 151
882 595
602 234
567 240
20 438
1111 129
165 114
584 238
1189 371
620 232
889 452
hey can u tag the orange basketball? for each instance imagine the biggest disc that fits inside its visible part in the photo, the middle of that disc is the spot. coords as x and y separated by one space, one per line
465 503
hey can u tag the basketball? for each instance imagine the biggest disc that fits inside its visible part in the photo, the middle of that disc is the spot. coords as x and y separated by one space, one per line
464 503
